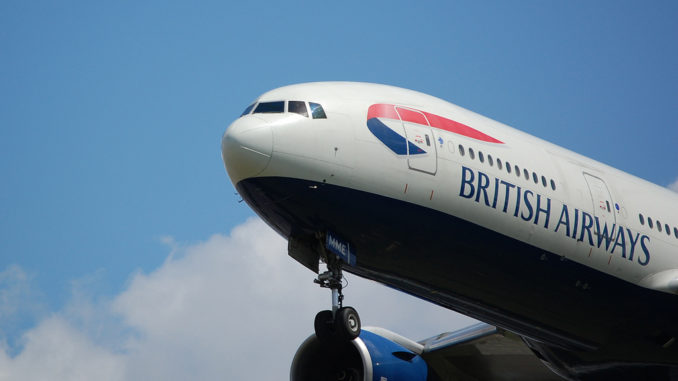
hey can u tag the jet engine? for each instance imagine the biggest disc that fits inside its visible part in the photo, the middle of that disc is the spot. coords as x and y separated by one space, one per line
377 354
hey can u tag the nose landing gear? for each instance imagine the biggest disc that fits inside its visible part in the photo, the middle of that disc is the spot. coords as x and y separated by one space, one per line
341 323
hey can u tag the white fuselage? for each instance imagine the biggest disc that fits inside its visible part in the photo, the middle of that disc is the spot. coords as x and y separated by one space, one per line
578 258
552 198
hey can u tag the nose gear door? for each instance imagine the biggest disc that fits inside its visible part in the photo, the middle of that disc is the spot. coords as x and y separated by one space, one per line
421 150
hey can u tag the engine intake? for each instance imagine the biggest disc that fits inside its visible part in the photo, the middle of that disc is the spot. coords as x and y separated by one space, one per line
367 358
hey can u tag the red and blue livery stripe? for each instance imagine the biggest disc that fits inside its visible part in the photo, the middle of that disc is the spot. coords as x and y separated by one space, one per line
398 143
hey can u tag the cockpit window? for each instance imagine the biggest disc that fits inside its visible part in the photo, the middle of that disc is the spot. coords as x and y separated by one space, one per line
248 109
317 111
270 107
298 107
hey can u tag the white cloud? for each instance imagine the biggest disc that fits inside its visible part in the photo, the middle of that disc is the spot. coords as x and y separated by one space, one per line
14 286
233 307
55 350
21 305
674 186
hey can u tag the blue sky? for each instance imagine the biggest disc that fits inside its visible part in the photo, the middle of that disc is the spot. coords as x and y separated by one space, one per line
111 116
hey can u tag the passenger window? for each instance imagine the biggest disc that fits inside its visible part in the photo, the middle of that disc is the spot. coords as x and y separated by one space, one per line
535 178
248 109
543 181
666 228
471 154
553 184
649 222
270 107
481 157
317 111
489 160
499 163
461 150
526 173
508 167
675 232
641 218
297 107
659 226
517 170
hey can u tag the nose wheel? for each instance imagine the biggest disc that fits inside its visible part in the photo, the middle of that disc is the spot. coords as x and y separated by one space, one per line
341 323
347 323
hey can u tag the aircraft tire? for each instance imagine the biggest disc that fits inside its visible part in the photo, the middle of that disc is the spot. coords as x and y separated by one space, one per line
347 324
324 326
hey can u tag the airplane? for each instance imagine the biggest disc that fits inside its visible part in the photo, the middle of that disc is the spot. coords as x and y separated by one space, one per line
571 265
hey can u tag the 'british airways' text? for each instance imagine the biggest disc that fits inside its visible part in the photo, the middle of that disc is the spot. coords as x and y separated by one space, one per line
531 206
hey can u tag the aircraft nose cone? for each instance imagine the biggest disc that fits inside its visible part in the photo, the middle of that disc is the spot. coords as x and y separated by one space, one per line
246 148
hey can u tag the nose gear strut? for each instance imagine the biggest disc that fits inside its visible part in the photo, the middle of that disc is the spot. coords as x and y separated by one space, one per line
341 323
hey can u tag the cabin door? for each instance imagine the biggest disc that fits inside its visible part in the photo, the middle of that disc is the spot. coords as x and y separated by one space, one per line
603 207
421 147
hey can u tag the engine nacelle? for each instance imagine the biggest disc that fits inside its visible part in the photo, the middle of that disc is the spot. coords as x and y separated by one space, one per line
367 358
